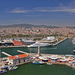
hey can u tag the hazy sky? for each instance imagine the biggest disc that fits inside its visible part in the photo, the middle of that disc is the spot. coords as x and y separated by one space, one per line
38 12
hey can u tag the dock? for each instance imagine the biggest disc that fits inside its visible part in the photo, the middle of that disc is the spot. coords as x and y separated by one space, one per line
6 54
22 52
59 42
12 46
51 58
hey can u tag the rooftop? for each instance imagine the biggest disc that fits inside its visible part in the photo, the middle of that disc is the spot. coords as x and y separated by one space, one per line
18 56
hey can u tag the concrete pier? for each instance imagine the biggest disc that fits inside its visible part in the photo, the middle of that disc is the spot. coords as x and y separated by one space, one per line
6 54
22 52
59 42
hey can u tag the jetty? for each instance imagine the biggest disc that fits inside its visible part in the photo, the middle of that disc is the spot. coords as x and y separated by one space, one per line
6 54
22 52
59 42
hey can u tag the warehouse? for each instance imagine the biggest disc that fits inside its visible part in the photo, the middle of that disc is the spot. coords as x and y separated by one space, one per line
18 59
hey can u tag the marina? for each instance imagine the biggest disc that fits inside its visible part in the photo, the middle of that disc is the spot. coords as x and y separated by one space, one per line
42 43
68 60
47 55
59 42
42 58
37 37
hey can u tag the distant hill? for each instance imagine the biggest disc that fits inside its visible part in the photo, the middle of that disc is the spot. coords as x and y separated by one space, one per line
70 27
27 26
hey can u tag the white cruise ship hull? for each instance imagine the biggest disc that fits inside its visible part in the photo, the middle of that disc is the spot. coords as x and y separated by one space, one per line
39 44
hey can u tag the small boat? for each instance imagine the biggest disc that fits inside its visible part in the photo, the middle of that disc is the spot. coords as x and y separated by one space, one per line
38 62
49 63
3 71
35 62
45 60
12 68
41 62
74 51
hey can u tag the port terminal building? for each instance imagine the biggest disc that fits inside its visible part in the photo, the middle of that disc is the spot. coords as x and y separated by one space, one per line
19 59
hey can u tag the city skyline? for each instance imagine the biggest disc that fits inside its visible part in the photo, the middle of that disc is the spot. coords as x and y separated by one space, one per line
41 12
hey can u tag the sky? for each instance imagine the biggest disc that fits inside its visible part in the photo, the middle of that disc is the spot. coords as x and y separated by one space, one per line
38 12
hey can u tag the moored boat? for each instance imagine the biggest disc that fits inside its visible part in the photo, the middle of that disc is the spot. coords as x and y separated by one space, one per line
39 44
12 68
35 62
45 60
3 71
41 62
49 63
74 51
38 62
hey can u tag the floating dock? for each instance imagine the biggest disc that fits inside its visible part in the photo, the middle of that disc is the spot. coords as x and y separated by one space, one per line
6 54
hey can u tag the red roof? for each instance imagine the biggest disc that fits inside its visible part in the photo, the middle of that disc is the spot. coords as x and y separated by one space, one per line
18 56
17 43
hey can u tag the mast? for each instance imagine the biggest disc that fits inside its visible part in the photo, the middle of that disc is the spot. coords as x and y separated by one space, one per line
0 54
30 52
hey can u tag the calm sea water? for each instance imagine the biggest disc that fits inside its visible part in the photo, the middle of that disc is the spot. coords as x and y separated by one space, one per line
66 47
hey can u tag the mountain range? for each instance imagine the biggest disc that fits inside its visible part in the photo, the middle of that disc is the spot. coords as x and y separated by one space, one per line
27 26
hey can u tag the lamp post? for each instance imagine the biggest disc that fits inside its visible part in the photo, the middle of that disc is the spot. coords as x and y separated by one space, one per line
39 51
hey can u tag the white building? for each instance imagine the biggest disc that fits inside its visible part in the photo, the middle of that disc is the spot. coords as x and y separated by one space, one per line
19 59
51 38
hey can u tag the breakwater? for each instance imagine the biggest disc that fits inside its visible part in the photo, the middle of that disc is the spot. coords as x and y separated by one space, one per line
59 42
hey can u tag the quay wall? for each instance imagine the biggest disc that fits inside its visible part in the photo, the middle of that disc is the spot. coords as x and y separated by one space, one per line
27 45
59 42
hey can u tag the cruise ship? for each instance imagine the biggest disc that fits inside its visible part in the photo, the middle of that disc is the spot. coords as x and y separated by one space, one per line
73 40
36 44
6 42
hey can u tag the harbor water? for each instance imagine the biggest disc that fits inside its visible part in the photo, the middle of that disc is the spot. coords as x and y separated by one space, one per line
66 47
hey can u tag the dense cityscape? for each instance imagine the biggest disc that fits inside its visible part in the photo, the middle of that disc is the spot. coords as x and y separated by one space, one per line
22 31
